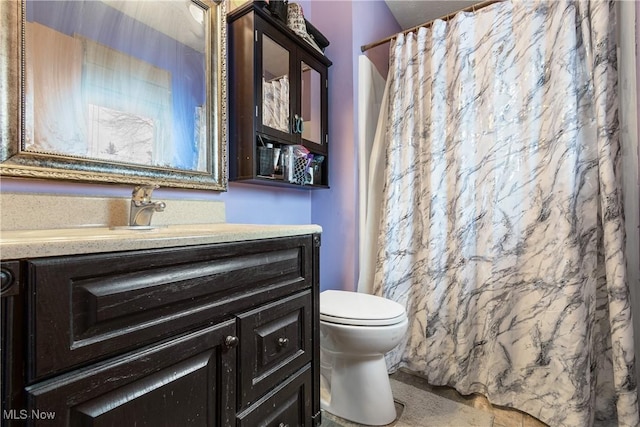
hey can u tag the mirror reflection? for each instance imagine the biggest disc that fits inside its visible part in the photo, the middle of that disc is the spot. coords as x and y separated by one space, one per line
116 91
311 102
113 80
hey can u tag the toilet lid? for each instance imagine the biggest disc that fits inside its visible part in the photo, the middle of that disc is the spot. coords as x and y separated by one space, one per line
355 308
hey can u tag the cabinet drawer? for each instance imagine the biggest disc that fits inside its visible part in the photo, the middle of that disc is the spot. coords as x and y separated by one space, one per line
86 308
288 405
275 341
187 381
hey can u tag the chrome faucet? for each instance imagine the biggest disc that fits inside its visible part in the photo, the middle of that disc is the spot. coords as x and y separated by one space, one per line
142 208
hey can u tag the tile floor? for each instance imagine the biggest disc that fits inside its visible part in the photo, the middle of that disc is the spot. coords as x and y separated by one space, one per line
503 417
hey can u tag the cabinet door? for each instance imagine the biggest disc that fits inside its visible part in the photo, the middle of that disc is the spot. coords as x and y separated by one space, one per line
187 381
288 405
275 342
12 343
276 86
310 121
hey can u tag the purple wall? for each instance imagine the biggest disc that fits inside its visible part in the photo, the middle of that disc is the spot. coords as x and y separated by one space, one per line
253 204
334 209
245 204
347 25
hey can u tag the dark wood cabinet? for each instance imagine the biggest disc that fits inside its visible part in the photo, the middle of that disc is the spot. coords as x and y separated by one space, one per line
211 335
277 343
278 95
186 381
287 405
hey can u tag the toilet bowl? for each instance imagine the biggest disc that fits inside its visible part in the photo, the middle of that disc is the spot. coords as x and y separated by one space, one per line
356 330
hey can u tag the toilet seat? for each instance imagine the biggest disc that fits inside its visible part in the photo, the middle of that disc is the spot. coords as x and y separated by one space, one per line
358 309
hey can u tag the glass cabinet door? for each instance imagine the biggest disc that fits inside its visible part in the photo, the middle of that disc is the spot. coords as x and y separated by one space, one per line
276 86
310 108
312 92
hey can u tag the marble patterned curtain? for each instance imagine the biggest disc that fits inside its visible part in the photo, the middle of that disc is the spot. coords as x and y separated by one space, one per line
502 231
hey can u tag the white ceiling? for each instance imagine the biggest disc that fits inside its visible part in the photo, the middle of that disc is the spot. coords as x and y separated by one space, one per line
411 13
180 20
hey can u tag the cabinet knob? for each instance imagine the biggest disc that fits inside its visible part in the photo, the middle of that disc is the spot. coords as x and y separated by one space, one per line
283 342
283 425
9 279
231 341
6 278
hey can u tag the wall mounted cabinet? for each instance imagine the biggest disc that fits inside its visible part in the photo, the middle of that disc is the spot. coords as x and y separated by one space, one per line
278 98
209 335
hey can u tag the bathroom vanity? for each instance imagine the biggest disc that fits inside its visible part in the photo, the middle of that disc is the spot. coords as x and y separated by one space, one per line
181 326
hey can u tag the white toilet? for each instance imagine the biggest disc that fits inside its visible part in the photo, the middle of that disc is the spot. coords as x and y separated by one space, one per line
356 330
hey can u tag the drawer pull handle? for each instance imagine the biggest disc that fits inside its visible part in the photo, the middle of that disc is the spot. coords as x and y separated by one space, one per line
283 342
231 341
283 425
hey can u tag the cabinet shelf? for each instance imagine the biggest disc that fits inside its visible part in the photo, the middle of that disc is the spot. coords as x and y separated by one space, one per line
278 89
275 182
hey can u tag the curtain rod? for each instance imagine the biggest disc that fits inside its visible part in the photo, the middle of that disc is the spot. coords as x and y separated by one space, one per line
472 8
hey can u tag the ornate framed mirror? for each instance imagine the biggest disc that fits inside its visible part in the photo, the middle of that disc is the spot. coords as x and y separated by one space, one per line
120 91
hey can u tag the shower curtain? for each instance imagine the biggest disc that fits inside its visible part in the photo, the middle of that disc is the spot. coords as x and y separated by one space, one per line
372 106
501 228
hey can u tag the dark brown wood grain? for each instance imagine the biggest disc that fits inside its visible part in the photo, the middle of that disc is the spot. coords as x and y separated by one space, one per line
276 339
196 335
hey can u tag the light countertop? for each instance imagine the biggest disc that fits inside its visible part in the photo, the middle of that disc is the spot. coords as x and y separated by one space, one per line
17 244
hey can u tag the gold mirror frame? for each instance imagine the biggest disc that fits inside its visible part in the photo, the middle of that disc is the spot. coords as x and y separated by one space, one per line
15 161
